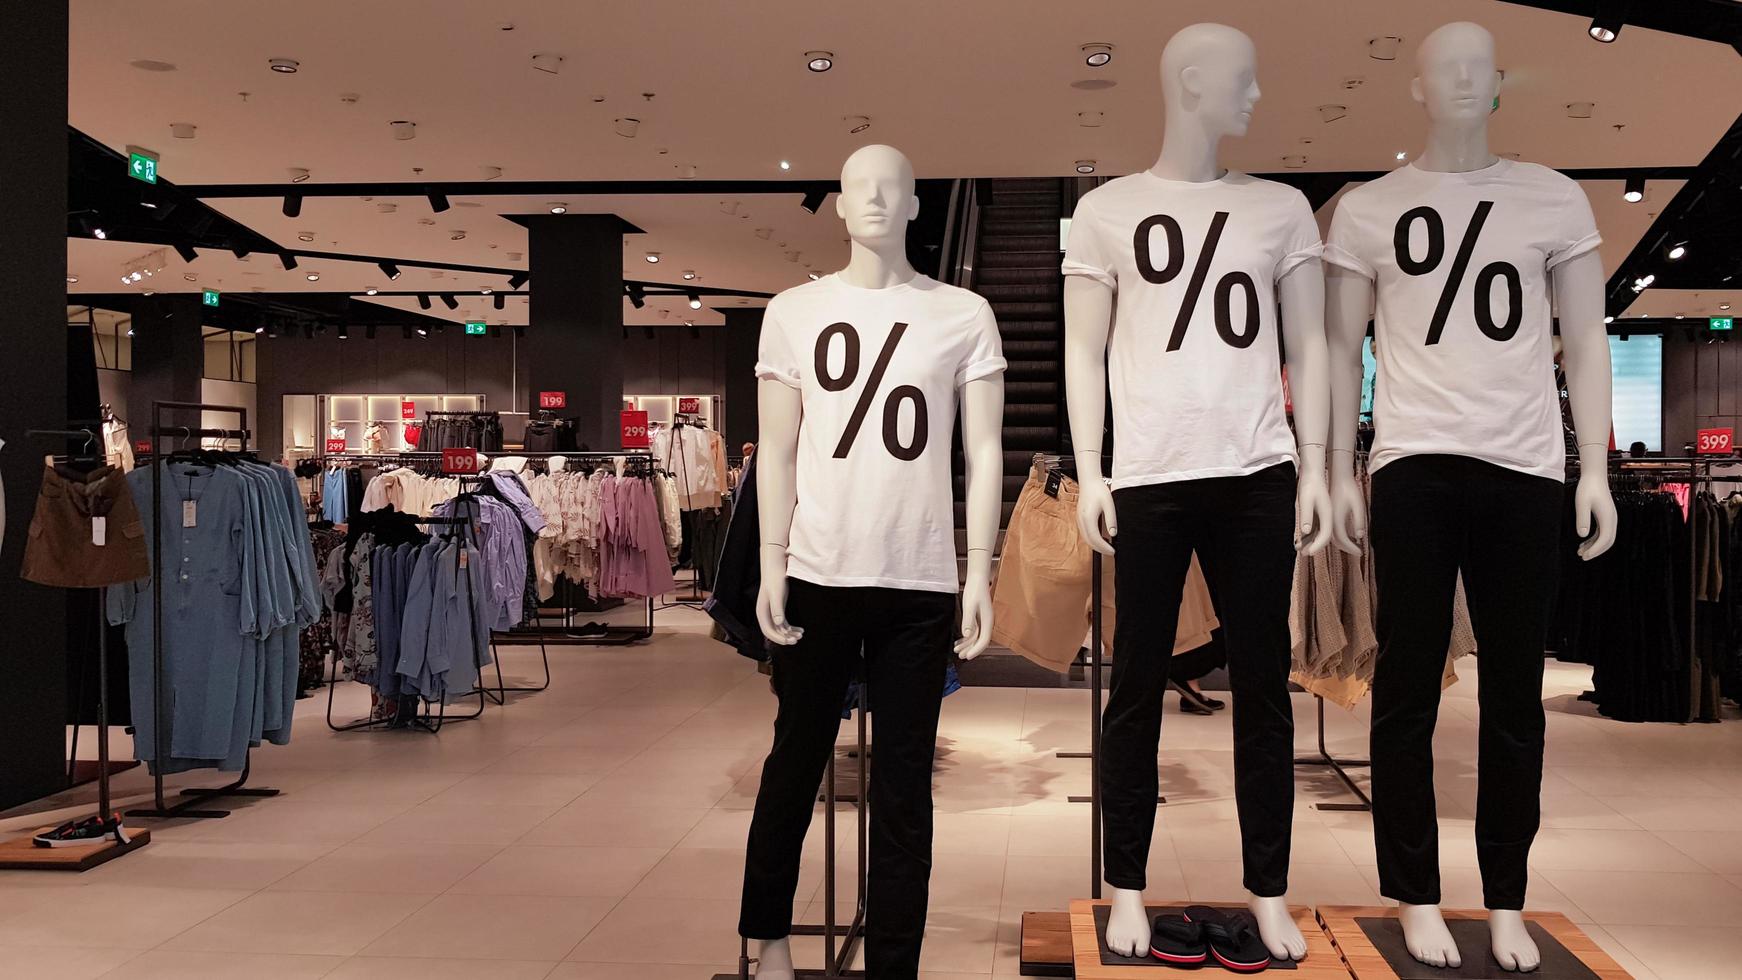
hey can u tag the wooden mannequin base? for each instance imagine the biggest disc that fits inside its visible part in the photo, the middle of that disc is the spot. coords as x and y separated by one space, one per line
1321 963
1367 962
22 854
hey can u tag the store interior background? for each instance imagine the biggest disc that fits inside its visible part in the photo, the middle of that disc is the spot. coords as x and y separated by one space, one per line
692 132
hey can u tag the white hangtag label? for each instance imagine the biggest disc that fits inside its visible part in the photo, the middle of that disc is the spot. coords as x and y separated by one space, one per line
189 516
463 555
99 531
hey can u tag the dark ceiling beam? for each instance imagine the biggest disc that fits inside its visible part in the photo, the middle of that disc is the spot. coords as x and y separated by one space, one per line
515 188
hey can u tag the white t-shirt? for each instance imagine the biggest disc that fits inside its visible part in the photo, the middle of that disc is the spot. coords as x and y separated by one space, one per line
1194 359
878 370
1463 327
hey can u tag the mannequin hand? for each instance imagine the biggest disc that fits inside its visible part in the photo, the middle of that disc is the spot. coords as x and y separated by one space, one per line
1313 507
1094 511
1593 504
976 617
771 599
1348 514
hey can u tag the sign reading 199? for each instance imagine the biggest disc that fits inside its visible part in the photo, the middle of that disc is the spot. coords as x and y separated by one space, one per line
891 405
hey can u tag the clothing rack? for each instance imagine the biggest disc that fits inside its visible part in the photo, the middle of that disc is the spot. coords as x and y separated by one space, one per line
159 430
502 688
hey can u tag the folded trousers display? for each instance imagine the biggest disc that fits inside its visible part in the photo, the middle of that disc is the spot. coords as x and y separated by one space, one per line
1041 598
901 639
1242 529
1434 516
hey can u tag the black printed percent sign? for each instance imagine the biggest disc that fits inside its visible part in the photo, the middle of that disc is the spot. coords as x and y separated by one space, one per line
1176 263
1436 252
891 406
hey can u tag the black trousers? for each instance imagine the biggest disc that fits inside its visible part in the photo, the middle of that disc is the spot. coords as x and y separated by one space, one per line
1434 516
1242 529
905 636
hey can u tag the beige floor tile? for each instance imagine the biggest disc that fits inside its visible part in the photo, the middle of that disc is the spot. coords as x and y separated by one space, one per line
674 930
1063 833
600 824
404 788
414 968
413 869
434 823
1606 850
515 789
291 822
489 926
1635 967
207 864
964 880
1719 851
1613 898
560 760
169 964
1684 952
960 940
1607 781
330 923
603 872
1677 812
62 963
131 915
709 874
642 971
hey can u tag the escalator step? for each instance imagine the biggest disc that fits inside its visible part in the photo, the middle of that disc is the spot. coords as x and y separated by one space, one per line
1021 212
1018 243
1039 310
1052 288
1034 350
1021 260
1039 227
1011 329
985 278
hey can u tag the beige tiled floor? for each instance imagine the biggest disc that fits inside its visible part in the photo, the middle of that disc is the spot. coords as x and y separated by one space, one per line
596 832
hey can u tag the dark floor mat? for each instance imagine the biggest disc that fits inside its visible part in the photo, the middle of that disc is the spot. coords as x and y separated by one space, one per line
1558 963
1110 958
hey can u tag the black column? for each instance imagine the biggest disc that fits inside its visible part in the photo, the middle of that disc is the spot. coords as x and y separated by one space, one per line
169 356
33 346
574 334
743 328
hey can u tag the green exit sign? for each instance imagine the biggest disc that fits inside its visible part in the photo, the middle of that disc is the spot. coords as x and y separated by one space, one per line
1722 323
209 297
474 328
142 167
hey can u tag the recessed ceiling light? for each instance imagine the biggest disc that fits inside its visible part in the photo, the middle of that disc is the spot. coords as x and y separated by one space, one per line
1097 55
305 236
1402 155
370 291
626 126
183 131
402 129
298 174
653 257
786 165
819 61
1332 113
1608 319
550 64
1383 48
313 277
1085 166
1721 306
689 274
72 279
1294 162
857 124
284 66
558 207
486 290
146 64
1580 110
814 276
456 236
190 277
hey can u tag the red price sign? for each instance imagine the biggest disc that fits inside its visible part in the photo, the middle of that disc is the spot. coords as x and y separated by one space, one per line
1715 441
634 430
460 461
689 406
553 399
408 411
142 445
335 446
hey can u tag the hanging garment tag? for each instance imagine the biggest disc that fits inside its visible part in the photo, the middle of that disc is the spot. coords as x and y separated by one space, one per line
1052 484
463 555
189 516
99 531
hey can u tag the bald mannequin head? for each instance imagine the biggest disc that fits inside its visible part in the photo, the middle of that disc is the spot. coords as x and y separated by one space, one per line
1455 78
1209 72
877 198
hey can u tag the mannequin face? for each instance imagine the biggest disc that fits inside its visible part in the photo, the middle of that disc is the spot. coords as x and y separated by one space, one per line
877 198
1210 72
1455 76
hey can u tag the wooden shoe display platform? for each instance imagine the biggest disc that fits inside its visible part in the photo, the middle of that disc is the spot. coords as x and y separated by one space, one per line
1321 963
22 854
1567 953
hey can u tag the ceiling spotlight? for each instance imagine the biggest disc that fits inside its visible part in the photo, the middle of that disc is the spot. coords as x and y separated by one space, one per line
190 277
403 129
423 301
287 260
813 199
857 124
501 301
626 127
305 236
1401 155
1580 110
517 280
1383 48
98 232
456 236
558 207
695 301
486 290
1085 166
438 202
298 175
449 301
186 252
423 331
689 275
637 295
786 165
1634 191
1097 55
260 329
370 291
389 270
1608 319
653 257
1677 251
1649 279
313 277
819 61
73 279
292 205
344 332
1611 16
815 277
284 66
1721 306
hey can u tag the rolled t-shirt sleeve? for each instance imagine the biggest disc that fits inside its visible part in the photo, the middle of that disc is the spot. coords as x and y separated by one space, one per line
1575 229
985 355
1086 252
1344 249
1303 236
775 358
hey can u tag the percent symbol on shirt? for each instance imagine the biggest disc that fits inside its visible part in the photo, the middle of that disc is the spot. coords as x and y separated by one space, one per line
1436 253
891 406
1176 263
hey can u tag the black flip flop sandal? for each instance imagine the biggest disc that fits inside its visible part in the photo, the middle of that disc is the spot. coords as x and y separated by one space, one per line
1233 938
1178 941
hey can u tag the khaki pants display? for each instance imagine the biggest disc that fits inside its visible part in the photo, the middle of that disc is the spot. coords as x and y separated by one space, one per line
1041 597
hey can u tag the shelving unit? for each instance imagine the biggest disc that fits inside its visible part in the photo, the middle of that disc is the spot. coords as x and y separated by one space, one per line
353 414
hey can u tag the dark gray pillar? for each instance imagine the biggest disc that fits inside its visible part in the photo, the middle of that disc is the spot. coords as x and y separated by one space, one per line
574 334
33 228
169 356
743 329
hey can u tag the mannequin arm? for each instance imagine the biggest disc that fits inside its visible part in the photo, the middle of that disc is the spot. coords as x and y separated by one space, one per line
779 411
1302 294
1088 323
1578 293
983 442
1348 304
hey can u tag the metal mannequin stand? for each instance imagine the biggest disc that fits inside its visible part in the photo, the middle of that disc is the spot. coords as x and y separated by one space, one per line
1337 766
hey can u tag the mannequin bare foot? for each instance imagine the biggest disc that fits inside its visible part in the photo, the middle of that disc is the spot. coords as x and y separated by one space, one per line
1276 927
1511 942
1426 936
1128 924
774 960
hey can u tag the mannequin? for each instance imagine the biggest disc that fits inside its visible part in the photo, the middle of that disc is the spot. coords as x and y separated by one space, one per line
817 455
1267 237
1489 364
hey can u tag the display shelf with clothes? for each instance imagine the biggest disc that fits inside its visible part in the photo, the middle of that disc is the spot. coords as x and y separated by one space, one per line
461 430
695 456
